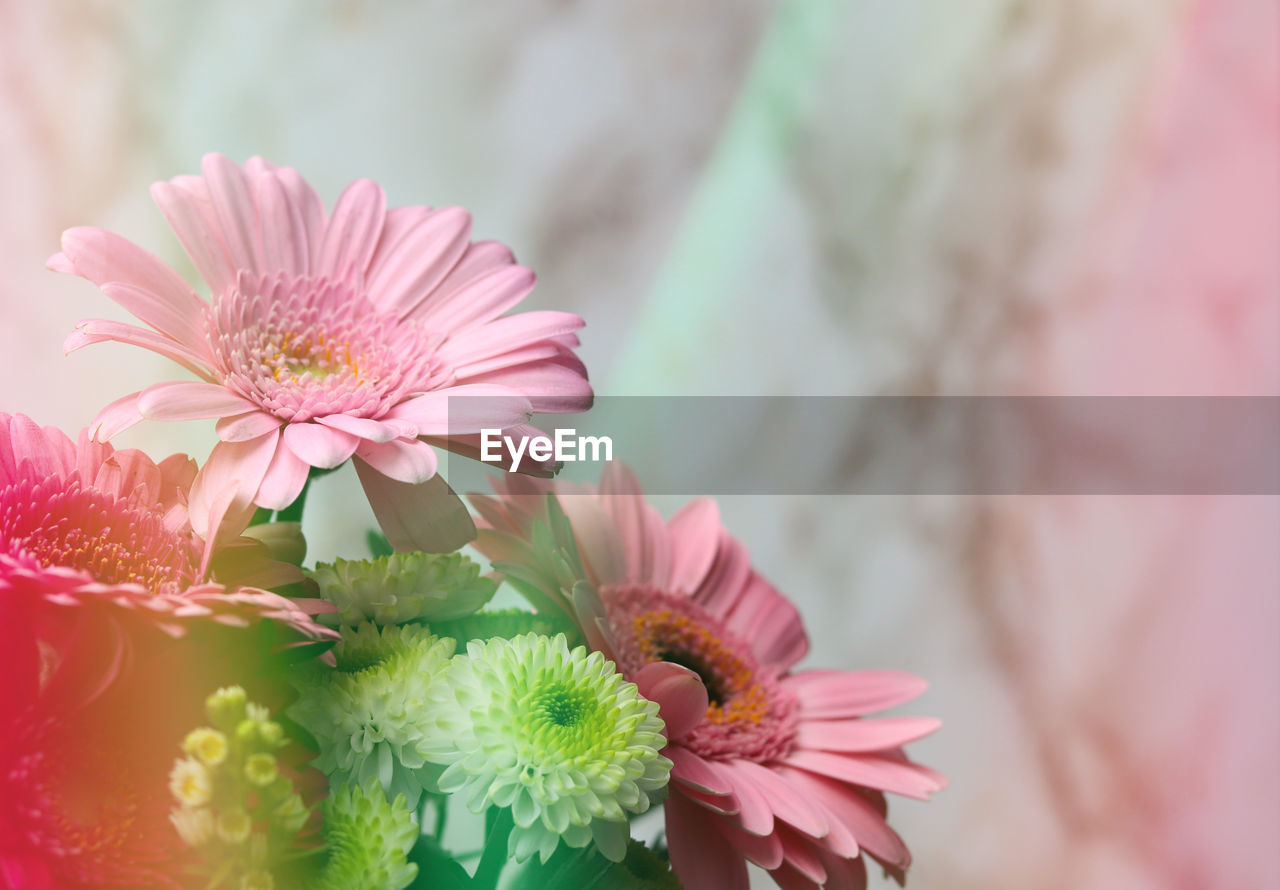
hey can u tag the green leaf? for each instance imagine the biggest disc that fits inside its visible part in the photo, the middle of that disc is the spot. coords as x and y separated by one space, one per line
378 543
437 870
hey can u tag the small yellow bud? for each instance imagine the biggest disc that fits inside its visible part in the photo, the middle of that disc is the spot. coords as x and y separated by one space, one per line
261 769
271 733
234 825
191 783
226 707
208 745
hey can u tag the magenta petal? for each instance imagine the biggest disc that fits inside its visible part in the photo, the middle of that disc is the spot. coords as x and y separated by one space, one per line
427 517
755 815
39 448
190 400
553 386
319 446
700 855
679 692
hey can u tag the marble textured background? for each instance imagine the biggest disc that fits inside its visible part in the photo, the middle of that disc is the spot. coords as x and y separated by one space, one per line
804 197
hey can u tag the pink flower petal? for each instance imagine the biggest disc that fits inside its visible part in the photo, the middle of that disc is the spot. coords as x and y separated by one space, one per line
116 417
286 243
242 427
679 692
771 622
507 334
353 231
137 280
786 802
866 823
463 409
764 850
554 386
184 201
320 446
405 460
486 296
798 853
427 517
640 526
406 275
692 771
46 449
876 734
869 771
829 694
695 534
190 400
755 815
700 855
100 330
365 428
284 479
233 467
234 209
311 211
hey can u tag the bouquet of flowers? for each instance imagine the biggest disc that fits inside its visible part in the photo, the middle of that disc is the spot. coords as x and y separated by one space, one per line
187 705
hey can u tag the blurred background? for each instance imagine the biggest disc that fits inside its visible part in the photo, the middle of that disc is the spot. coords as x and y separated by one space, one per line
801 197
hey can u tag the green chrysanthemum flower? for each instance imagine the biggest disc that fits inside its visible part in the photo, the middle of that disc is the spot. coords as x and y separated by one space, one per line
368 840
556 735
370 716
403 587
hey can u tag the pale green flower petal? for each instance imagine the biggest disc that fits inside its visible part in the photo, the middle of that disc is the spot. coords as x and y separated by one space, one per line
403 587
555 734
371 715
368 841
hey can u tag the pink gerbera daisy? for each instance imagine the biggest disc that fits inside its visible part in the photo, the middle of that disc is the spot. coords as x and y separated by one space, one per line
101 683
115 516
775 766
328 336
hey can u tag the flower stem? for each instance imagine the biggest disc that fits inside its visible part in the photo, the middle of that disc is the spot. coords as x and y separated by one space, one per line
495 852
293 512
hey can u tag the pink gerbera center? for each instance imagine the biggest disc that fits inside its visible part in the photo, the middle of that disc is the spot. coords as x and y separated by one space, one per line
749 715
302 348
59 522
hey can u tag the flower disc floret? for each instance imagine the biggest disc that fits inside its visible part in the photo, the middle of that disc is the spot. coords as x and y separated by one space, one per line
557 735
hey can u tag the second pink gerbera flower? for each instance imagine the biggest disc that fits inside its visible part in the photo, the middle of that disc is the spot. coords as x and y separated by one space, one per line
328 335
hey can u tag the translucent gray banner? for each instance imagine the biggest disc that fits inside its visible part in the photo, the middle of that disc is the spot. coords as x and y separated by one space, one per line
910 445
